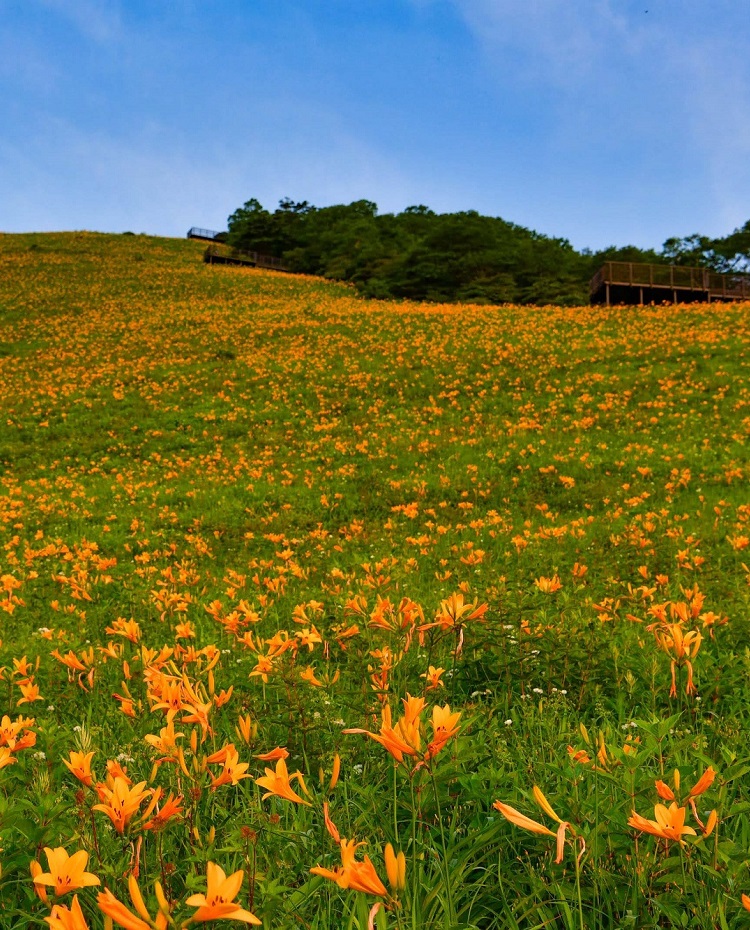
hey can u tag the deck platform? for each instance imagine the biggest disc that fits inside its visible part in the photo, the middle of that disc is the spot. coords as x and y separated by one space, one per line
636 283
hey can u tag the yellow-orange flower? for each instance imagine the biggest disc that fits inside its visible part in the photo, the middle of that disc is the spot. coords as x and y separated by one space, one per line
120 801
233 770
63 918
218 901
80 766
123 917
66 872
278 783
359 876
669 823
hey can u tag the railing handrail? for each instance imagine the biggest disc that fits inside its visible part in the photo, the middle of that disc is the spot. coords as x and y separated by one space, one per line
677 277
195 232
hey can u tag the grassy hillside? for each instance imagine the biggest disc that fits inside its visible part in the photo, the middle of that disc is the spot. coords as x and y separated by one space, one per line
253 510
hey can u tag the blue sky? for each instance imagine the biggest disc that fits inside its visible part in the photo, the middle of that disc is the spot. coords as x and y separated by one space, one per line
603 121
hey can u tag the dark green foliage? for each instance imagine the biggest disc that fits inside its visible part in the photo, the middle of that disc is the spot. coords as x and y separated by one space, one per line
446 257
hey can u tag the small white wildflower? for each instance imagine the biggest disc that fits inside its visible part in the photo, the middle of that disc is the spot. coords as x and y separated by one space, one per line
41 756
563 691
339 723
76 729
537 691
508 723
359 769
51 707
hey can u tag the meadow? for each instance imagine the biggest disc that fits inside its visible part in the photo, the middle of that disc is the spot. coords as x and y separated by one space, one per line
321 612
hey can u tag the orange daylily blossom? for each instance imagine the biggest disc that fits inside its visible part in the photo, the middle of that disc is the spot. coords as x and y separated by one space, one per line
80 766
526 823
115 770
6 757
452 612
664 791
35 869
30 692
66 872
199 711
746 902
9 732
169 809
63 918
279 753
669 823
703 783
681 647
233 770
165 742
123 917
278 783
218 901
120 801
433 678
403 739
444 727
359 876
548 585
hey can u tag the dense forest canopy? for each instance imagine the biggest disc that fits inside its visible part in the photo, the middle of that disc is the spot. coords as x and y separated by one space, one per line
423 255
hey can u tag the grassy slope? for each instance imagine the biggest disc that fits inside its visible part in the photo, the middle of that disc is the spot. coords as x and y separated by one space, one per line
169 415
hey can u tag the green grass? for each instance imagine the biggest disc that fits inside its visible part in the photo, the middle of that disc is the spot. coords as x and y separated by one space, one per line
176 434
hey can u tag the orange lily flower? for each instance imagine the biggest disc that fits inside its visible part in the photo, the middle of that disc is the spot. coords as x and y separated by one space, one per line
9 731
218 901
526 823
278 783
30 692
233 770
279 753
669 823
444 727
120 801
359 876
63 918
80 766
66 873
169 809
404 739
123 917
703 783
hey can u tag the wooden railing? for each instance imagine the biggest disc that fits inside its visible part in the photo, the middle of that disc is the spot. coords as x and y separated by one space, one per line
672 278
224 255
195 232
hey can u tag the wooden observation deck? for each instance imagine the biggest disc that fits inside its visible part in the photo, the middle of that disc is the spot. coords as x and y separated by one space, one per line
635 283
218 253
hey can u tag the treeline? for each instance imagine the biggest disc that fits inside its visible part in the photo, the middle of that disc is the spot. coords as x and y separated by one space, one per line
467 257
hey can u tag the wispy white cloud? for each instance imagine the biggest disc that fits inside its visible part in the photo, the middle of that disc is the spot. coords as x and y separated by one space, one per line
158 182
671 80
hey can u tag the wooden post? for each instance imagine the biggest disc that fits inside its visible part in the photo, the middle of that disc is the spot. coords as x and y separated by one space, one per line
641 298
607 293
